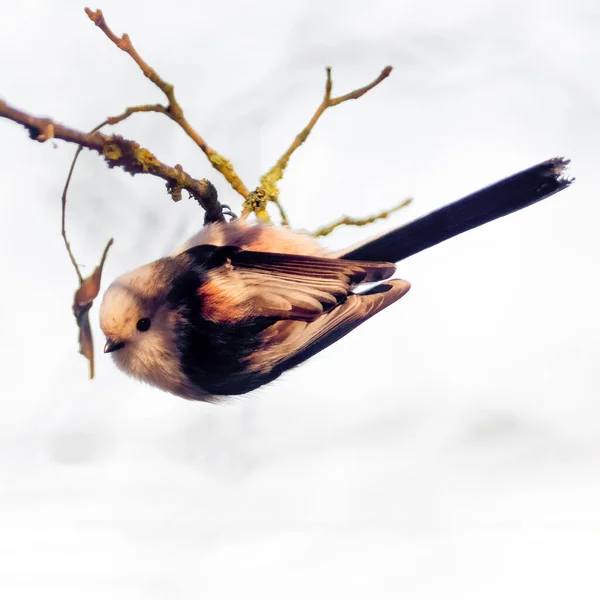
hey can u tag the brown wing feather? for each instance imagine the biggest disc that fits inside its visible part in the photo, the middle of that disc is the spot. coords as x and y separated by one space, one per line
315 266
291 342
287 286
312 285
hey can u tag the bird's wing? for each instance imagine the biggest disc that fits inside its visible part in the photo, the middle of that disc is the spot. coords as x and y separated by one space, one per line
285 286
288 343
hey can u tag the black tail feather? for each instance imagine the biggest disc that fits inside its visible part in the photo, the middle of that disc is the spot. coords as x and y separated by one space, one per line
498 200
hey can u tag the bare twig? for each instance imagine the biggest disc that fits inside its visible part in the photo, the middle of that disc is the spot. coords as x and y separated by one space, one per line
120 152
327 229
159 108
64 212
284 218
269 180
173 110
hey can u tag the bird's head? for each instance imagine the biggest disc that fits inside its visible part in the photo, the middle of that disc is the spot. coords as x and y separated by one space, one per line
140 327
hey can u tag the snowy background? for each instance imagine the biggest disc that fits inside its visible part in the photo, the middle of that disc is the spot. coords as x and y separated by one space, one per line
467 465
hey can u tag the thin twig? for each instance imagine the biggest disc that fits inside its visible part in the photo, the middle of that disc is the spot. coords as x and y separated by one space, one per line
159 108
64 211
173 110
269 180
327 229
284 218
120 152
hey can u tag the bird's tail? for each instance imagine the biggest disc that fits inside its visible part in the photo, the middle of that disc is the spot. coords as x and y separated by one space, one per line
497 200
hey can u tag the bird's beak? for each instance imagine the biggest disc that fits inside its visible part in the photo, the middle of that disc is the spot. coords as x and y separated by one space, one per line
112 345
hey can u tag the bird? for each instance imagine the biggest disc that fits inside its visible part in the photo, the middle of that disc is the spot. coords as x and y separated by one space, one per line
240 303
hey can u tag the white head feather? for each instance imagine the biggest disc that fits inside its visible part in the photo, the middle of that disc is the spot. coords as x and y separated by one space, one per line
151 355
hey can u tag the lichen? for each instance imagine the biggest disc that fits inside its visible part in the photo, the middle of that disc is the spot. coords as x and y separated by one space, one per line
112 151
146 159
270 179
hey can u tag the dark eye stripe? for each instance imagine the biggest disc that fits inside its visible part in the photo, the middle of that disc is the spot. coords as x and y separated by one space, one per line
143 324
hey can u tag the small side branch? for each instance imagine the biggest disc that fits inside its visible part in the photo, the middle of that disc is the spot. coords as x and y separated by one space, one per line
327 229
159 108
269 180
174 110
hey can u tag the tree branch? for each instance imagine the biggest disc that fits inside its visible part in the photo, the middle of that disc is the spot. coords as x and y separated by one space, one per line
269 180
173 110
120 152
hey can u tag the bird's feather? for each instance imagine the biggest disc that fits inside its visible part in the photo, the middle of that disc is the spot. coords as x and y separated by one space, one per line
291 343
287 286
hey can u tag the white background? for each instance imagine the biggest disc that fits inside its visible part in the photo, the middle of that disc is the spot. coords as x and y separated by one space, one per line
450 448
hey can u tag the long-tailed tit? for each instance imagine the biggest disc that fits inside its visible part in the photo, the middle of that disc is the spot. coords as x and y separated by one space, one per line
240 303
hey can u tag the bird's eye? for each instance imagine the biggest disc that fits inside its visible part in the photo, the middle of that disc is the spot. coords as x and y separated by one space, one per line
143 324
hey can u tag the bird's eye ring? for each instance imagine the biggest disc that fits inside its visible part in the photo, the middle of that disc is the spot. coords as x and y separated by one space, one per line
143 324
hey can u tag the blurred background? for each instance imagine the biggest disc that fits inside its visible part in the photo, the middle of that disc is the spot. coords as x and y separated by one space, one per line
467 465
